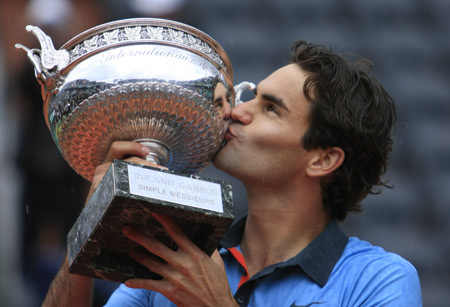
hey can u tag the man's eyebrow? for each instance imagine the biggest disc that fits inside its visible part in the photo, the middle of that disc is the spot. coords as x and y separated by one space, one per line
276 100
222 99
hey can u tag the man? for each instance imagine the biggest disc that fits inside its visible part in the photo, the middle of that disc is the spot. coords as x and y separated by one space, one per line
308 148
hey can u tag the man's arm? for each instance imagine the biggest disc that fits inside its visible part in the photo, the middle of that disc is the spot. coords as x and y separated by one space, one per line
69 289
72 290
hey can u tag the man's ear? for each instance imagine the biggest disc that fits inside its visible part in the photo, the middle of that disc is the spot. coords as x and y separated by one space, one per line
325 161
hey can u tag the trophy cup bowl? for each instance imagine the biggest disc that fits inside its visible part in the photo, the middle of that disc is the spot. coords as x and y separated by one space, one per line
154 81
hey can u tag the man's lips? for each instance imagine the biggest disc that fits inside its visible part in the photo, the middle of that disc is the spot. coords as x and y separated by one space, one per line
229 134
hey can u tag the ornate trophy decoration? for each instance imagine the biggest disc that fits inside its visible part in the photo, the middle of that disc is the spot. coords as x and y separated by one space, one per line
147 80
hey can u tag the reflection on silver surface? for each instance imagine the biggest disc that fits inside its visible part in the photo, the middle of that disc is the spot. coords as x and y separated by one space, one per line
163 83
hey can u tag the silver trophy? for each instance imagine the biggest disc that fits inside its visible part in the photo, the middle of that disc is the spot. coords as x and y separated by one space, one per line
158 82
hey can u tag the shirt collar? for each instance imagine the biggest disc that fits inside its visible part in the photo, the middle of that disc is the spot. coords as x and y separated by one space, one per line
317 259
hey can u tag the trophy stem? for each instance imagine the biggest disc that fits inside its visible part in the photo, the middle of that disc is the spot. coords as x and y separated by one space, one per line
159 152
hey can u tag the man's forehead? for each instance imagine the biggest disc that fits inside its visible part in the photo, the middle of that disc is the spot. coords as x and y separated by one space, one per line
285 83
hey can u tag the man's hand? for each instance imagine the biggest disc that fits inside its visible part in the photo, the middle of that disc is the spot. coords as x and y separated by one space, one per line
121 150
190 277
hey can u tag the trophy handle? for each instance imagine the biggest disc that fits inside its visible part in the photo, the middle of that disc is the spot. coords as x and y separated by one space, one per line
240 88
46 60
47 63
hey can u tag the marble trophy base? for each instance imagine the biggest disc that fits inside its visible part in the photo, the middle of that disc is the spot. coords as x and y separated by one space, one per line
127 195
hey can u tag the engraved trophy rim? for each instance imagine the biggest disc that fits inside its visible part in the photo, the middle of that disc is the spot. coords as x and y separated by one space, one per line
217 53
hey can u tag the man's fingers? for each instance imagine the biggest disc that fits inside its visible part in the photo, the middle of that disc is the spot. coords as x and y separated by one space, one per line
151 262
121 149
143 284
217 259
152 245
161 286
138 160
174 231
131 152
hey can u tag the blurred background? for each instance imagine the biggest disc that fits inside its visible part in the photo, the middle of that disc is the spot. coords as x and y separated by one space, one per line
407 40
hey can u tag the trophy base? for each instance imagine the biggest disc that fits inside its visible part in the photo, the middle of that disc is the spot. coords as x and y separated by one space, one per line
127 195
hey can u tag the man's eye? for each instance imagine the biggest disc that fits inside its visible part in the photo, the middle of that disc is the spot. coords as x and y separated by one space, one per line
272 108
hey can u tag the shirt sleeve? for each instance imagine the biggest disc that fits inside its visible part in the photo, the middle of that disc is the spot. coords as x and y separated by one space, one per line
391 281
128 297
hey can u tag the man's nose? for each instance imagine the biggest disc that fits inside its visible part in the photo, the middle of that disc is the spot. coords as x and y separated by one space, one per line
242 113
227 111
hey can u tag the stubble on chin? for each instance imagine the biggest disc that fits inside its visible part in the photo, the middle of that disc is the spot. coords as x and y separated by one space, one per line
221 159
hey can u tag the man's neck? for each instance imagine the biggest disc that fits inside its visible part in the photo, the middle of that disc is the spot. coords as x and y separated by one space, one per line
279 226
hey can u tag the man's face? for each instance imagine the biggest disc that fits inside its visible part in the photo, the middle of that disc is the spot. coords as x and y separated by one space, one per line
222 104
264 139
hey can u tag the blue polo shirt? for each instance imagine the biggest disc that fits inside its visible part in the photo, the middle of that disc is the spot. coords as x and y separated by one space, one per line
333 270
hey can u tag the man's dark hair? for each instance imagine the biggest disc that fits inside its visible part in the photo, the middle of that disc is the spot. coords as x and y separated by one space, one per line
348 109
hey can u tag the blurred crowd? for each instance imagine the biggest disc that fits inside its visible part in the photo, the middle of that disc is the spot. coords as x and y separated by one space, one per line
407 40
